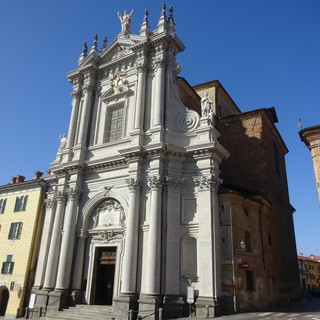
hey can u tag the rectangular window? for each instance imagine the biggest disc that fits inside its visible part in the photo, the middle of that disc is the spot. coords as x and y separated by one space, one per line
247 240
7 266
21 204
3 203
15 231
114 124
12 285
249 278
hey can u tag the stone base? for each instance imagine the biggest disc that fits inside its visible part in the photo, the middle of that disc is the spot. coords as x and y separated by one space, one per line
206 307
40 306
173 307
76 297
58 300
126 305
150 307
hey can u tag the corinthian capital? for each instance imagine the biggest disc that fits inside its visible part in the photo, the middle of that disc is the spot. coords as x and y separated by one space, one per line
49 202
73 193
207 182
88 88
134 184
76 94
141 67
174 182
155 182
60 196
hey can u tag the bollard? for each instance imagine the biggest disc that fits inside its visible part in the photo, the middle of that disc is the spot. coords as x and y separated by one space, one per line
160 313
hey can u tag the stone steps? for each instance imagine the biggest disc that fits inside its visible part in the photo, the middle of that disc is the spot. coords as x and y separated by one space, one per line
83 312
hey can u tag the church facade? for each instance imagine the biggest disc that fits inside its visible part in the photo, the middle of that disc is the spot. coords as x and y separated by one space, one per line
132 212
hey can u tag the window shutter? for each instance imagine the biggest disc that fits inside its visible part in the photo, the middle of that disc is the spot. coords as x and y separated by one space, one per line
3 267
4 205
16 206
11 231
19 230
24 205
11 267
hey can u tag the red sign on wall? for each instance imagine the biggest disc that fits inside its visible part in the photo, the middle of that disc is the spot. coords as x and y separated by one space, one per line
245 265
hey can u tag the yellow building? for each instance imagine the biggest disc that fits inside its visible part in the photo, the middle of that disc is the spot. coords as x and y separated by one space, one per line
21 215
309 268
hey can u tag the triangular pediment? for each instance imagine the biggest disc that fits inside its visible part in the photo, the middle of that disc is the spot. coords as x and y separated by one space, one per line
120 48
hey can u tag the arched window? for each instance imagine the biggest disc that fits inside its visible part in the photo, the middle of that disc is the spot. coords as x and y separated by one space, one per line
189 257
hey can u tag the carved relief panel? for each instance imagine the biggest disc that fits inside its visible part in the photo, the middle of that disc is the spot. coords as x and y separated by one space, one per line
109 214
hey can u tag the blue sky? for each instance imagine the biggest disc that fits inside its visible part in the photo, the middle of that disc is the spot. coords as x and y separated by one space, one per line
264 52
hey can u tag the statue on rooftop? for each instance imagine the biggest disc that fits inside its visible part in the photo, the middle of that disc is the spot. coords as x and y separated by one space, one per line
206 105
125 22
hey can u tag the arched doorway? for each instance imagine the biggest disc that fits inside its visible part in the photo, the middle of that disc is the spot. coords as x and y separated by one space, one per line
4 298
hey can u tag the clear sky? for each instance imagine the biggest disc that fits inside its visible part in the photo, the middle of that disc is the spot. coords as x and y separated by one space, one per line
264 52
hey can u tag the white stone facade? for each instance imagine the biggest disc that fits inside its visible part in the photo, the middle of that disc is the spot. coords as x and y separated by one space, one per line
134 185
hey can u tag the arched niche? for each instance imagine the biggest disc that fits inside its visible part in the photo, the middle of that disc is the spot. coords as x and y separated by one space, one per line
189 257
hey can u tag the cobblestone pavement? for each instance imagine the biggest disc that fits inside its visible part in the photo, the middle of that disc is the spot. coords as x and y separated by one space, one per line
304 309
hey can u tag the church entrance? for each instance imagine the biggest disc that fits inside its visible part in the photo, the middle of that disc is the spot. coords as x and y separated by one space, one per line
105 263
4 298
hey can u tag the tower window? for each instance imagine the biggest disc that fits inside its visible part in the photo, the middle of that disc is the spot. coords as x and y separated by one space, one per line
247 240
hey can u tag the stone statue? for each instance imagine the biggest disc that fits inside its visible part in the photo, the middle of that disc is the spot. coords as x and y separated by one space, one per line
125 22
63 142
206 105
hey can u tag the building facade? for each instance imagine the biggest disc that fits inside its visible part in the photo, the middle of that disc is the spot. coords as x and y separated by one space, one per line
133 212
311 137
21 213
309 270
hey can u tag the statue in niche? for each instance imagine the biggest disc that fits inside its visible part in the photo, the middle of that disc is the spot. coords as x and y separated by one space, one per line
109 214
206 106
125 22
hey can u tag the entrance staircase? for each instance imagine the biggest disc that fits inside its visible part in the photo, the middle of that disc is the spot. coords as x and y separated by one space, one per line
82 312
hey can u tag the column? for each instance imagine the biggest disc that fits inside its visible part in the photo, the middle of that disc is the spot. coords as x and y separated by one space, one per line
154 238
205 245
52 262
140 102
130 259
173 237
84 120
159 93
77 272
73 120
173 303
45 242
209 258
67 245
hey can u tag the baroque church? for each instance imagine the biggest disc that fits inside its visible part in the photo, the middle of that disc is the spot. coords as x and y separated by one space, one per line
140 212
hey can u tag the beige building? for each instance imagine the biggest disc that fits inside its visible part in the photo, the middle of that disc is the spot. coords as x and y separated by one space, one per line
21 204
311 137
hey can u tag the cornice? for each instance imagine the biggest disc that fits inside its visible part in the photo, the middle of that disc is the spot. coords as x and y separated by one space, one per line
23 185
